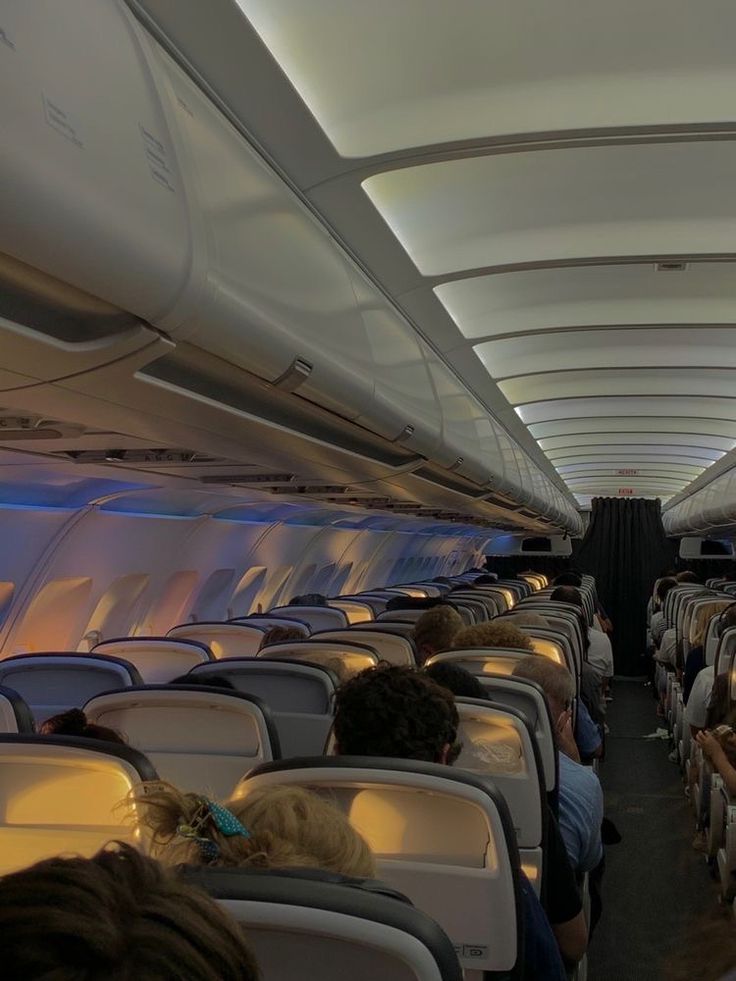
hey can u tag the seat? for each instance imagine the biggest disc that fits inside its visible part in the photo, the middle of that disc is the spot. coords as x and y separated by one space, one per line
344 658
498 742
52 683
465 878
265 622
391 647
354 610
158 659
299 696
223 639
481 660
15 715
316 617
404 629
401 616
335 926
61 794
199 739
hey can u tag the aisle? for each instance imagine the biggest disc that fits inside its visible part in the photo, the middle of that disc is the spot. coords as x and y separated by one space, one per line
655 883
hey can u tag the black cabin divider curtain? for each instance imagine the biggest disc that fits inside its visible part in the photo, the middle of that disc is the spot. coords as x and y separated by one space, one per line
626 549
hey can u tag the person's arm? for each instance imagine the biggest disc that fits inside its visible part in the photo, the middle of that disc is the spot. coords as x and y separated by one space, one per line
713 750
572 937
565 736
563 902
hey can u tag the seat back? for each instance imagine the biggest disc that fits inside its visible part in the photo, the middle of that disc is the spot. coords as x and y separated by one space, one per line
222 639
442 837
53 683
343 658
354 610
339 928
61 794
158 659
391 647
316 617
15 715
199 739
725 651
401 616
299 695
265 623
404 629
703 610
481 660
498 742
527 697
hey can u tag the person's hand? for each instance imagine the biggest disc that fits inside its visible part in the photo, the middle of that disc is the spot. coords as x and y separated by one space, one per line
708 743
565 736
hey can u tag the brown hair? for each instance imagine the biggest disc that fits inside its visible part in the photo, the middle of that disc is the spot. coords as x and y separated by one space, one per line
74 723
494 633
289 827
434 631
117 916
554 679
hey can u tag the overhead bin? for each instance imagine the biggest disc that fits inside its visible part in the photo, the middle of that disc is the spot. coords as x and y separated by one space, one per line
712 506
121 179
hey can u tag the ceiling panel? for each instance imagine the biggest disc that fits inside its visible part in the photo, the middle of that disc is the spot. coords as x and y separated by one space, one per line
587 296
386 75
605 425
619 381
562 204
595 439
671 407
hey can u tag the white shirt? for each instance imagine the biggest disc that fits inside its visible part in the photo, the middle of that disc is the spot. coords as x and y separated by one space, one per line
600 653
667 647
696 710
656 626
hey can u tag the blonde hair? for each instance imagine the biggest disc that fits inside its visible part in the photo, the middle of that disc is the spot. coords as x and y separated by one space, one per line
494 633
434 630
289 827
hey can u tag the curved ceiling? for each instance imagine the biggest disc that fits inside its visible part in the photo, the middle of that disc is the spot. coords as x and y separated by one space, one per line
546 190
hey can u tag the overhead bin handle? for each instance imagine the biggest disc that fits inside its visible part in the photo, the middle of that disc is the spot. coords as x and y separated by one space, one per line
295 375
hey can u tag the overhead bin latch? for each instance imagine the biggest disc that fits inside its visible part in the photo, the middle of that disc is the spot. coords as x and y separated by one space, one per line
294 376
406 433
457 464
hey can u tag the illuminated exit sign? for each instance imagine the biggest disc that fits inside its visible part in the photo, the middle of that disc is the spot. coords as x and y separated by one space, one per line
625 491
627 473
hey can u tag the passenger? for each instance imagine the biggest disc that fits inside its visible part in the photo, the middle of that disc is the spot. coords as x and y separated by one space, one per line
308 599
401 713
580 794
458 680
708 704
657 624
487 579
494 633
413 602
204 681
74 723
599 653
277 827
719 745
568 579
687 577
435 630
283 635
116 916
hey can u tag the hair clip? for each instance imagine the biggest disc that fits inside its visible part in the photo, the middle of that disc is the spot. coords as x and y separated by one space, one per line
224 821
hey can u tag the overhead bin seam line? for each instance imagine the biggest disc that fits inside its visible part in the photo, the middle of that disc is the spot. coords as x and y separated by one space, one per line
150 24
490 146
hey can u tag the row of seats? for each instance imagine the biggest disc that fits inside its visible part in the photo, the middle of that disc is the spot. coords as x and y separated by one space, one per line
694 623
493 800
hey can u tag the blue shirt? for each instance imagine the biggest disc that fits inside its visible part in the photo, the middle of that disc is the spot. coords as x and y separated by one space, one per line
580 814
587 733
542 958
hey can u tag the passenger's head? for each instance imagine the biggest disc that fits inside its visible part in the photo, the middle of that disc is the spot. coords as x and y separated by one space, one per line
398 712
487 579
494 633
663 587
568 579
567 594
204 681
726 620
687 576
458 680
434 631
554 679
283 635
276 827
116 917
308 599
74 723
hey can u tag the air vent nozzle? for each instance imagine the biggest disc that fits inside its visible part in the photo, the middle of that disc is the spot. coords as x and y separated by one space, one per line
670 266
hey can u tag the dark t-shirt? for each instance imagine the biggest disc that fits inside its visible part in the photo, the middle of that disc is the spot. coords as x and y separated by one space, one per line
541 954
693 666
560 897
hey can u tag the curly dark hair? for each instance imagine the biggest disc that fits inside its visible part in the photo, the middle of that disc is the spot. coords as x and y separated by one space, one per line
456 679
395 711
